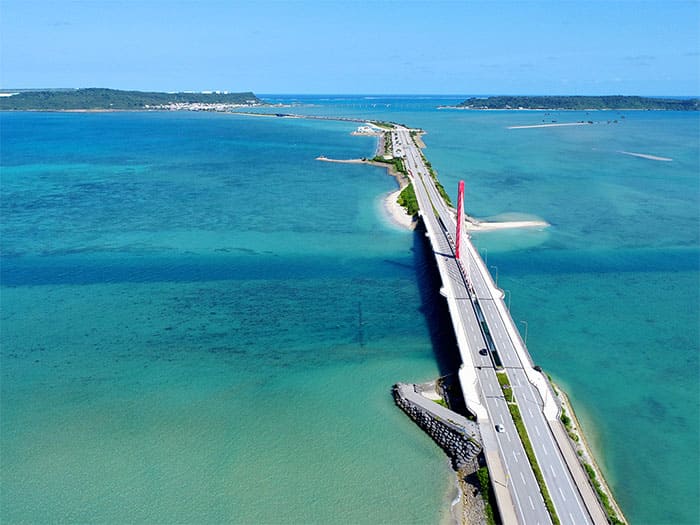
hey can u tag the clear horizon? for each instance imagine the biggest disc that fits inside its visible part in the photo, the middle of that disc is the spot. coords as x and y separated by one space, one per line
307 47
348 94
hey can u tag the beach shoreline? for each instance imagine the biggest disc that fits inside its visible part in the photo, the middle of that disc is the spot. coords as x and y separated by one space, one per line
396 213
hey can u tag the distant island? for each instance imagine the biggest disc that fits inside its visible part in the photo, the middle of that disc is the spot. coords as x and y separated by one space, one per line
580 103
100 99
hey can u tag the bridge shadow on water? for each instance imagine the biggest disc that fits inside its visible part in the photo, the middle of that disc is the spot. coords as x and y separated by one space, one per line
437 314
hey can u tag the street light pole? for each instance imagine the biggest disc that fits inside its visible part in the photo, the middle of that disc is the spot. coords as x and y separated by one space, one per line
495 268
525 323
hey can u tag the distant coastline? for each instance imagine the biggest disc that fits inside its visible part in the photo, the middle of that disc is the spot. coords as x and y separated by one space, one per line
579 103
103 100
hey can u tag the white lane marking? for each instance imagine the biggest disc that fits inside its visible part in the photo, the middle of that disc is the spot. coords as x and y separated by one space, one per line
537 429
508 436
532 505
515 456
562 494
522 476
529 411
552 469
544 449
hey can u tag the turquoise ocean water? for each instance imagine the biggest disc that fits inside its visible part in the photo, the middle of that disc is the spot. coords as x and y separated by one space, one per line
201 323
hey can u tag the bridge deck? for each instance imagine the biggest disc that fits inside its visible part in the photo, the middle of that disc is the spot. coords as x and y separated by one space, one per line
481 321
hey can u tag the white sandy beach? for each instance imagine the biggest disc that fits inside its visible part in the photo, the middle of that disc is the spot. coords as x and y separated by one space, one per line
396 214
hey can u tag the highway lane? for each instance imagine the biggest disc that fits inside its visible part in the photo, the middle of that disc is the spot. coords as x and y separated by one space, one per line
520 480
563 491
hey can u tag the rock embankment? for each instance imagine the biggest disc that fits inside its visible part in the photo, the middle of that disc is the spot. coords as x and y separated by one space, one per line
453 433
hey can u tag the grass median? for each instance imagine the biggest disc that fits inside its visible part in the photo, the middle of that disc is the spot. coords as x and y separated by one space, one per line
527 445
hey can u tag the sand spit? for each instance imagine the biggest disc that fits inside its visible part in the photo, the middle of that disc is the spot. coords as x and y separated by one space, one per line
341 161
473 224
645 156
550 125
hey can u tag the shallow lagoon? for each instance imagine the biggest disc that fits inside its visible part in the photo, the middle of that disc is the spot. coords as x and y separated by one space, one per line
139 339
202 323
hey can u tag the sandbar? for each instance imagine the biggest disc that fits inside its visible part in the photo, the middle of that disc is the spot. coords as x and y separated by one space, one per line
550 125
341 161
645 156
477 225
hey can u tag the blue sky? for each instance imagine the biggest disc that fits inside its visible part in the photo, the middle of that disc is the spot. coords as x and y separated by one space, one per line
421 47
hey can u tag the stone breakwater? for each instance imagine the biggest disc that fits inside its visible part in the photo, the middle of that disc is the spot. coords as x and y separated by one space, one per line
453 433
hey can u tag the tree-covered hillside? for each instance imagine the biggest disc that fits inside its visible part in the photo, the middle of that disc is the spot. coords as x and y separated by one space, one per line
99 98
581 103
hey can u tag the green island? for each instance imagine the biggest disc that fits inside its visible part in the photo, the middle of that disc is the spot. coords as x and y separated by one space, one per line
581 103
101 99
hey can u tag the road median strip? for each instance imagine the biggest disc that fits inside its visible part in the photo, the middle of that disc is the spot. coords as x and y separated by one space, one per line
527 445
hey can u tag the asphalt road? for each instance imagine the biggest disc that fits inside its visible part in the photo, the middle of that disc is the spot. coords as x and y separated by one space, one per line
521 481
